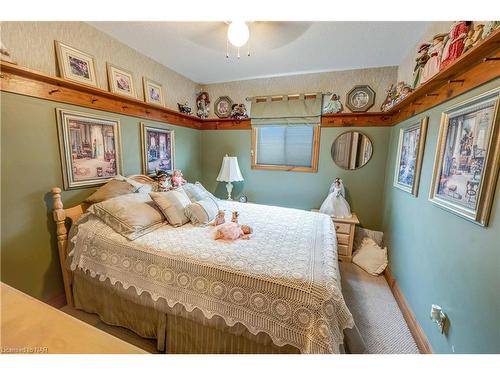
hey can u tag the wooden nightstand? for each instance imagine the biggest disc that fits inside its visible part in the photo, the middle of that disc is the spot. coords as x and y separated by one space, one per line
345 236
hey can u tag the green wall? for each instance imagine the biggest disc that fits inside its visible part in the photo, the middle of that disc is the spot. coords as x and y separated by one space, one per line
31 167
438 257
298 189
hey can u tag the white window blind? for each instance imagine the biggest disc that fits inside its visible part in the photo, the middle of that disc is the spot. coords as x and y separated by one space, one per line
285 145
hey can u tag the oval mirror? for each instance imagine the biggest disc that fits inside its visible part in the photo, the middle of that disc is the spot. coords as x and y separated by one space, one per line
351 150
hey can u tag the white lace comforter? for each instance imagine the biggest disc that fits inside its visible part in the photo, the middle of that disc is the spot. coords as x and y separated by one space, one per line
284 281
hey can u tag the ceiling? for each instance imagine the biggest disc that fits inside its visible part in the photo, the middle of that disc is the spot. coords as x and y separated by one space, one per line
197 49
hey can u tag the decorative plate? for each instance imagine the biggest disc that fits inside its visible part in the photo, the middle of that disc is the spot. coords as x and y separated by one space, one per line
360 98
222 106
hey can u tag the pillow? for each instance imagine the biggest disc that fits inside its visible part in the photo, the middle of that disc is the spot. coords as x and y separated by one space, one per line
141 188
371 257
196 192
131 215
361 233
201 212
172 204
113 188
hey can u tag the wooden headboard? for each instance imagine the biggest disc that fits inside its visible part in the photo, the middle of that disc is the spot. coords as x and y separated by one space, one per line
62 216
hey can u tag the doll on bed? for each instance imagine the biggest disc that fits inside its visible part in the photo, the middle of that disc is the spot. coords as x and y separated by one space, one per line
219 219
233 231
163 181
177 179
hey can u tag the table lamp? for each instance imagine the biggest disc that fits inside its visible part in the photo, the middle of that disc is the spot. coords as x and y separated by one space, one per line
229 172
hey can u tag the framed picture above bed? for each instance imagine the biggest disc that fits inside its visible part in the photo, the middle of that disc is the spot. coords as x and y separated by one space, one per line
409 158
75 65
158 149
121 81
153 92
468 158
90 148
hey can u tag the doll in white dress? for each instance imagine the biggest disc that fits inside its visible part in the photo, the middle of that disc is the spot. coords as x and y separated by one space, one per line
335 204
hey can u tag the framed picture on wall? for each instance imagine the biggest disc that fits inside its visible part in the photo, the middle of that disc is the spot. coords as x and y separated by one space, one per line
121 81
153 92
467 158
90 148
409 158
75 65
158 149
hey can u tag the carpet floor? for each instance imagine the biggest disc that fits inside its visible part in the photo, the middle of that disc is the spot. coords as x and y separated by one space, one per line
376 312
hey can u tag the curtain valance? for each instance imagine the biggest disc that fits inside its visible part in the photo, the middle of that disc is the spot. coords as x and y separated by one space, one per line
301 111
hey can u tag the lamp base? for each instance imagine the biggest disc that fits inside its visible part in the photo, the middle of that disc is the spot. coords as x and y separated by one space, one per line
229 187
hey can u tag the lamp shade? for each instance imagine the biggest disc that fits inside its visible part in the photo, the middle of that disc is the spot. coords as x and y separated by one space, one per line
230 170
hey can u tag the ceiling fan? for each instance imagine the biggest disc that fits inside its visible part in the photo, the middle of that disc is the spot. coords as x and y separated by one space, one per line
262 36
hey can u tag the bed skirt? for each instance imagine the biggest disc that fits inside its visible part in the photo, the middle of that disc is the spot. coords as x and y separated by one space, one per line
177 331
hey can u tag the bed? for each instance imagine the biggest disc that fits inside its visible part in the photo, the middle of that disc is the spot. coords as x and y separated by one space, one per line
278 292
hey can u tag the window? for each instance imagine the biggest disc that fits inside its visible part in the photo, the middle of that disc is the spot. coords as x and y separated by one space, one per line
290 148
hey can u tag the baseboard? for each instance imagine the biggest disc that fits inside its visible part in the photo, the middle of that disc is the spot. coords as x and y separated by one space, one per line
415 329
57 301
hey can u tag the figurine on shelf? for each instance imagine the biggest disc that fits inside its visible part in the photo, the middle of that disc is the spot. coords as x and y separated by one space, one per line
456 43
431 67
163 181
335 204
177 179
395 94
183 108
332 104
4 54
474 36
420 62
489 27
239 112
202 105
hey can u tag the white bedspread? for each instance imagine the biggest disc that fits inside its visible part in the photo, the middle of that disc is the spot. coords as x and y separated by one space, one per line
283 281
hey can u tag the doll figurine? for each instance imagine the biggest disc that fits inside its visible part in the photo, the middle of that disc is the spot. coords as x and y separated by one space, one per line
163 181
177 179
432 65
234 217
335 204
232 231
219 219
420 62
456 43
333 105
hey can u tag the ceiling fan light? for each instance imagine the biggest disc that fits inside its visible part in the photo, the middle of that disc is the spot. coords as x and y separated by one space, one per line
238 33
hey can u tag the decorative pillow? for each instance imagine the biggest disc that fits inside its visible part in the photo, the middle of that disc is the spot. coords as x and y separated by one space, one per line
196 192
371 257
113 188
361 233
141 188
131 215
172 203
202 212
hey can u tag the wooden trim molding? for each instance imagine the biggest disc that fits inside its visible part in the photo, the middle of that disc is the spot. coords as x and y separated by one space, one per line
28 82
367 119
477 66
415 329
315 155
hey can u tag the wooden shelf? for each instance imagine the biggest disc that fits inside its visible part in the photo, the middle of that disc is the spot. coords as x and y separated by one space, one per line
474 68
